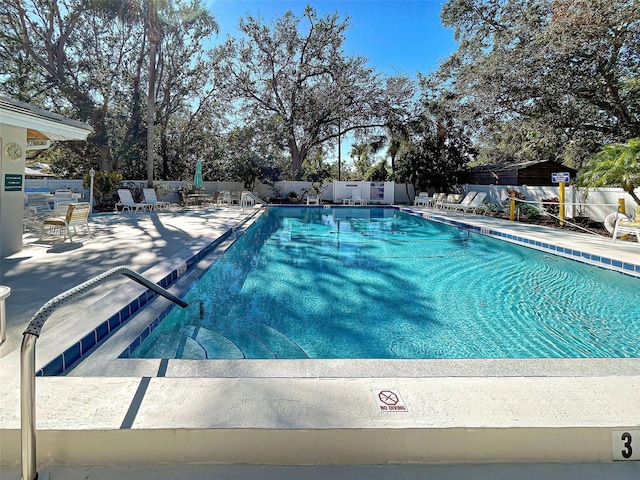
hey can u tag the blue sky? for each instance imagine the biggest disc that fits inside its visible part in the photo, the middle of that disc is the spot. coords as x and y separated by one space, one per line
398 36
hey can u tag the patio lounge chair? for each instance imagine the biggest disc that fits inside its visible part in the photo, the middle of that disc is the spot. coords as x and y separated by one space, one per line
151 198
452 204
473 205
449 199
437 199
625 226
77 214
127 202
421 199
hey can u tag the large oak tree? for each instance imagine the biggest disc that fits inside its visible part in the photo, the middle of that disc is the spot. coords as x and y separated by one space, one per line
294 71
546 78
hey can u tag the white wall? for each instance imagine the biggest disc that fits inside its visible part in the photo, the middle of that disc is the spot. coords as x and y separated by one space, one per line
11 202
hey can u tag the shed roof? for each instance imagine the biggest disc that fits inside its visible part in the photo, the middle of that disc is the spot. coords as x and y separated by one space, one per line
502 167
33 172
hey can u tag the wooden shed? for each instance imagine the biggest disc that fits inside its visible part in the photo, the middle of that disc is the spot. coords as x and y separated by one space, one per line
525 173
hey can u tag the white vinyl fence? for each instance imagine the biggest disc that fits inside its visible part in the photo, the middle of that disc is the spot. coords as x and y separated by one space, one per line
597 203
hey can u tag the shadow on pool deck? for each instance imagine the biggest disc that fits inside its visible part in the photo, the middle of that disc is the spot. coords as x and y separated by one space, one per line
45 269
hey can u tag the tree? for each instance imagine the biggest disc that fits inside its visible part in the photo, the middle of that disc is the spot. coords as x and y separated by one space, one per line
297 74
360 153
154 34
377 173
435 147
183 82
550 74
158 17
248 157
615 165
76 58
46 47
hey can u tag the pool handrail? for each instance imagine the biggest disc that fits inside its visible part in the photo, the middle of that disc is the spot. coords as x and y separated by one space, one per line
28 357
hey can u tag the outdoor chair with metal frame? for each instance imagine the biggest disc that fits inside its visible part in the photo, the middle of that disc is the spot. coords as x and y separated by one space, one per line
77 214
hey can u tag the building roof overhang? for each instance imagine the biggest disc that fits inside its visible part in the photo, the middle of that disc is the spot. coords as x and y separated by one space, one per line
40 123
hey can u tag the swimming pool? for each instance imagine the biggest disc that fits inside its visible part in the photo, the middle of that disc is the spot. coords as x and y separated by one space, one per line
379 283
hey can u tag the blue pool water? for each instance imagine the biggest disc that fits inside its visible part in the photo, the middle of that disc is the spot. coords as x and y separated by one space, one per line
379 283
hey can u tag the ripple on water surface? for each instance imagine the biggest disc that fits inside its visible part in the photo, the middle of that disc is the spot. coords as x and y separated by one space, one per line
377 283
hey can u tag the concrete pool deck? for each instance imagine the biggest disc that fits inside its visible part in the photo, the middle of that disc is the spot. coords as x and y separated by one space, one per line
333 419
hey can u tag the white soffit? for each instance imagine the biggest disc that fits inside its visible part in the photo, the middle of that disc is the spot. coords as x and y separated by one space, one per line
50 125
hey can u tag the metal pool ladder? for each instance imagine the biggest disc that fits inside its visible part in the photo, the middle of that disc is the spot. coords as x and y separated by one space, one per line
28 357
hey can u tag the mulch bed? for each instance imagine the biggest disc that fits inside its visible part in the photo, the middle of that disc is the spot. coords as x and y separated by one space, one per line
584 222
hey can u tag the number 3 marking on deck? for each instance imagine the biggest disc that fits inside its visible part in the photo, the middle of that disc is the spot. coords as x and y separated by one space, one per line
622 445
628 451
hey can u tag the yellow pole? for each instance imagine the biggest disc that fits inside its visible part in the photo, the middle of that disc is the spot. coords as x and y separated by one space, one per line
512 208
561 201
623 211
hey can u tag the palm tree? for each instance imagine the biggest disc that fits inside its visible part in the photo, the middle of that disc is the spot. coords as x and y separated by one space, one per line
617 164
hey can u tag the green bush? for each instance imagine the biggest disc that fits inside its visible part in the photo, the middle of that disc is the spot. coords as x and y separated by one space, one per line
104 188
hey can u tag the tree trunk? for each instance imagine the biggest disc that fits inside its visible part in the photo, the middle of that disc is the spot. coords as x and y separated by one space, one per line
296 158
442 138
154 39
634 196
133 137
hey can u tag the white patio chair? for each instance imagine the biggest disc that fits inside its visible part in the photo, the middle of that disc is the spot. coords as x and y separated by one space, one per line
151 198
224 198
627 226
38 204
313 198
62 197
127 203
422 199
356 198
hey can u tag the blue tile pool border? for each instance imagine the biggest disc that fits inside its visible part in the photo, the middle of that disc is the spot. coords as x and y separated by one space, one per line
625 268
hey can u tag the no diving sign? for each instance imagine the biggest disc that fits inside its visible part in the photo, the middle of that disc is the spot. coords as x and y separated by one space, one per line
389 401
